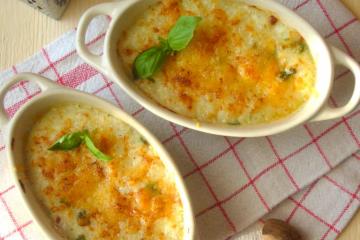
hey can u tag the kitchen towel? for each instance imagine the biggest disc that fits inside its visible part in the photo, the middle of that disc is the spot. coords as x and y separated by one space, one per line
309 176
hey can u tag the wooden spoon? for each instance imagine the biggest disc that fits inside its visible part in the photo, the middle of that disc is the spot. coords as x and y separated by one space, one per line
275 229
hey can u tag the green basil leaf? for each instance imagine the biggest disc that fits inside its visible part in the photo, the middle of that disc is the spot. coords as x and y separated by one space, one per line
68 142
181 34
148 62
93 149
164 44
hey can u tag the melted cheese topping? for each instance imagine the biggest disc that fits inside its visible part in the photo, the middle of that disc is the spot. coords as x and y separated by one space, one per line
243 65
131 197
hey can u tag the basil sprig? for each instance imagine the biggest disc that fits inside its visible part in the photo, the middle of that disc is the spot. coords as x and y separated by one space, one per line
93 149
68 142
73 140
148 62
179 37
182 33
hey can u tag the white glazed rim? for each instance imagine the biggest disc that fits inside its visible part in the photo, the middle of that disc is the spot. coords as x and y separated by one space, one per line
315 109
58 91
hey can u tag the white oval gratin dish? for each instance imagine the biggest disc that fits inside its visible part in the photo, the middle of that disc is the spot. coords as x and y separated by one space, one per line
124 13
16 130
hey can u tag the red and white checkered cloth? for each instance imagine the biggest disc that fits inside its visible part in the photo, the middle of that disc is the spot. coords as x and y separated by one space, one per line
233 182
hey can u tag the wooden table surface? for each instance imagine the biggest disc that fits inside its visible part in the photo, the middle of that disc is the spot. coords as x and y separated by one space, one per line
23 31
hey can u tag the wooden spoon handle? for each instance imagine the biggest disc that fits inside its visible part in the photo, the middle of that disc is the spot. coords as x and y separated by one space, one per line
275 229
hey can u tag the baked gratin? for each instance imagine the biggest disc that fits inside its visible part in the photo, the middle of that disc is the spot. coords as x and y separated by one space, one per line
132 196
243 66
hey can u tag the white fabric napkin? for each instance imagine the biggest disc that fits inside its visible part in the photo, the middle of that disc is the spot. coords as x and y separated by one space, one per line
309 176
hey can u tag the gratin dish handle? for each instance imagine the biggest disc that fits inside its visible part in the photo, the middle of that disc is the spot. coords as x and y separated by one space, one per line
328 112
43 83
81 46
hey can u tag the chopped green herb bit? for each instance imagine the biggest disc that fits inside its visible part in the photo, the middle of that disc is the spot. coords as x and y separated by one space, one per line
83 219
234 123
81 237
153 188
64 201
287 73
302 47
81 214
143 140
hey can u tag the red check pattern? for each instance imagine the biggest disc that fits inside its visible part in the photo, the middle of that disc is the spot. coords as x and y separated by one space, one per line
309 176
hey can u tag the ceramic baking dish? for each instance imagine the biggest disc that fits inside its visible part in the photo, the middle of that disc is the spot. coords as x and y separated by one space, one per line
124 13
16 130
